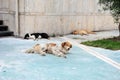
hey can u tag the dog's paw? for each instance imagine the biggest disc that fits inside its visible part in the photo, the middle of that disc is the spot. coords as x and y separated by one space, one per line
65 56
43 55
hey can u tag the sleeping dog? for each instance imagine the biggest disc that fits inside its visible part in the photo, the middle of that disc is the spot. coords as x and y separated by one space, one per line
59 51
51 48
36 36
82 32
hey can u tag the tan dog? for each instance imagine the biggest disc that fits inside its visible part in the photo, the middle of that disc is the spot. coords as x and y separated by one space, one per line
59 51
51 48
82 32
36 49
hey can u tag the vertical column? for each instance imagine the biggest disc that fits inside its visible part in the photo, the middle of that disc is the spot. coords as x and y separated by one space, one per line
17 17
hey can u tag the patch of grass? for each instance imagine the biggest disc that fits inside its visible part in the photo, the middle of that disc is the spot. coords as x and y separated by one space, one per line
105 43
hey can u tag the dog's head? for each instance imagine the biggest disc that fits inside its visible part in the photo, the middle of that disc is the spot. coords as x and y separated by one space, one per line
29 36
66 45
26 36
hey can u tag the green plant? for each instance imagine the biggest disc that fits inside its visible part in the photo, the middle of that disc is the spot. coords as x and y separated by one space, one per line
114 7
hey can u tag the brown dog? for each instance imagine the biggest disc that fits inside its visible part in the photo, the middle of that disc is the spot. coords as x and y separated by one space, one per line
59 51
82 32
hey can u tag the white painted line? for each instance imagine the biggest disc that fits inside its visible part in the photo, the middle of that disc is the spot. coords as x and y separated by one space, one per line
94 53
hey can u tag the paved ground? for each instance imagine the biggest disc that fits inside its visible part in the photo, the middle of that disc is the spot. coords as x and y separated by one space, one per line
79 64
90 37
16 65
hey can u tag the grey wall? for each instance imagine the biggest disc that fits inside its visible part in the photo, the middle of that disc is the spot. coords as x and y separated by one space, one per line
56 16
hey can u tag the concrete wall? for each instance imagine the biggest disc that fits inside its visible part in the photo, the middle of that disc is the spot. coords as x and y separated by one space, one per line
58 16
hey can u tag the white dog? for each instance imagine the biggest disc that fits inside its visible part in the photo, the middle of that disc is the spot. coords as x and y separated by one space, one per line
51 48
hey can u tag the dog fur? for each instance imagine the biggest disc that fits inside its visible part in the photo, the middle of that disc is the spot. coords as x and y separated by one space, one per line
36 36
36 49
82 32
65 47
59 51
51 48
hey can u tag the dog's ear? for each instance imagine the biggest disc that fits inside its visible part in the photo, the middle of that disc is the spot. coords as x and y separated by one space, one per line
63 44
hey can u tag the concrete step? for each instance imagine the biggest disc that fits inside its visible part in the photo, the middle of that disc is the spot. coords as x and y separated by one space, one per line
6 33
1 22
3 28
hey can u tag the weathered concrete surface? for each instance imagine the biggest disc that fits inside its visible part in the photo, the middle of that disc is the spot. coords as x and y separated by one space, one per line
55 16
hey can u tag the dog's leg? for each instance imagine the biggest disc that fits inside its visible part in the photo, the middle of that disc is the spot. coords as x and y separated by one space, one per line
39 51
36 39
42 53
62 54
63 51
59 53
54 52
29 51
